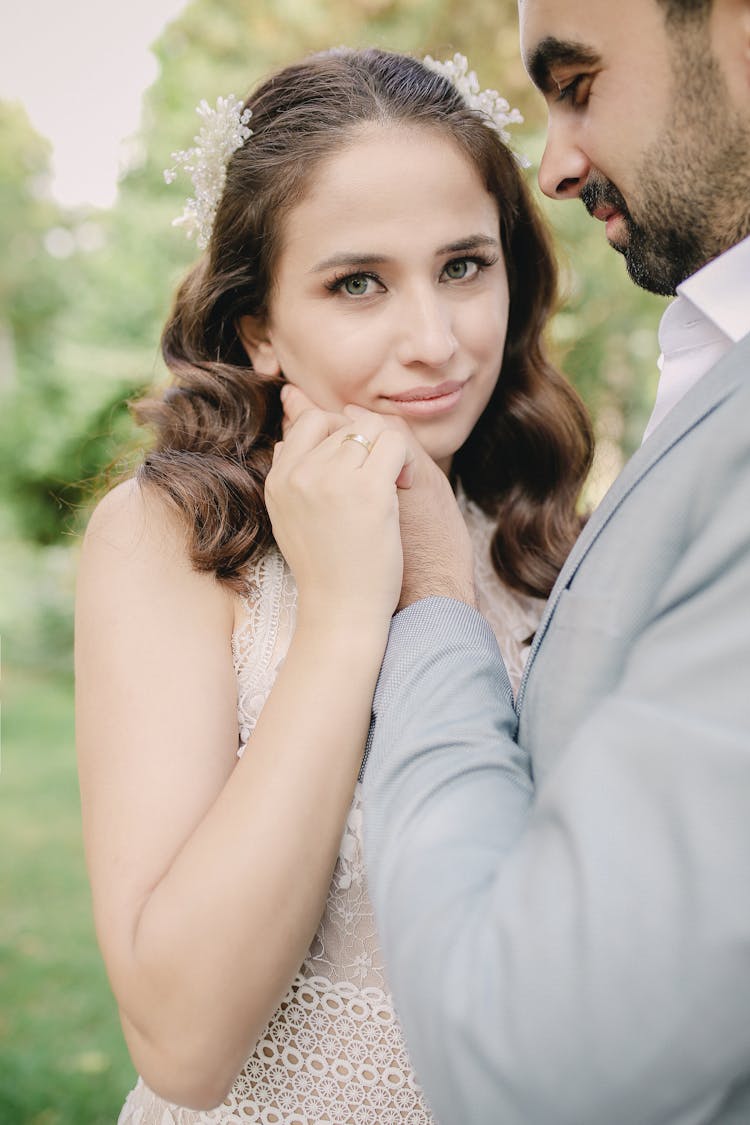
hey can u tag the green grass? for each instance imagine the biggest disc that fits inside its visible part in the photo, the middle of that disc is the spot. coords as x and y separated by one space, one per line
62 1056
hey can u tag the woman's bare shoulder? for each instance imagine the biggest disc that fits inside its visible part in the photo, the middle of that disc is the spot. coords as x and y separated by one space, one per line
136 537
134 517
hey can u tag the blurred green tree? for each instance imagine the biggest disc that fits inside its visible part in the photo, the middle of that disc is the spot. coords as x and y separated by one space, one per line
32 298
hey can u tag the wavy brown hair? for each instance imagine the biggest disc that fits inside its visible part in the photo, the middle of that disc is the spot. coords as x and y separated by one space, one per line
216 425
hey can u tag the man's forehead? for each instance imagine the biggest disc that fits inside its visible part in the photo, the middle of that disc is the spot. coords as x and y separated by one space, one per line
563 17
583 20
558 33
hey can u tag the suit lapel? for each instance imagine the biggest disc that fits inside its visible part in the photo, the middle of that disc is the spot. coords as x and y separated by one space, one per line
689 412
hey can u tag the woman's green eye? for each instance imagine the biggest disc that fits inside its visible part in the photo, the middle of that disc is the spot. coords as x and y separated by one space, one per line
356 285
458 269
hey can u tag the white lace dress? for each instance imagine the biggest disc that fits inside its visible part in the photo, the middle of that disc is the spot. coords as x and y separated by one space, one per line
333 1053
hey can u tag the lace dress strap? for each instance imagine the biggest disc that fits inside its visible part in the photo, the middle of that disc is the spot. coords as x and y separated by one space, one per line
264 623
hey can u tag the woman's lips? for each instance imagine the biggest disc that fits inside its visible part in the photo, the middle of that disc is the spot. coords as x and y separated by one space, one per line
422 402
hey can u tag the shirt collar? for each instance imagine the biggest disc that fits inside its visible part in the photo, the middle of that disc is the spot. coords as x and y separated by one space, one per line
721 291
685 327
710 313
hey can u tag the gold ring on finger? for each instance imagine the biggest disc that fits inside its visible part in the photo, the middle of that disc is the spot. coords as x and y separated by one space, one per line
360 439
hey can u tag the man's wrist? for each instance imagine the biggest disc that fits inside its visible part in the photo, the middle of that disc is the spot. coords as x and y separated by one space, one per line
439 588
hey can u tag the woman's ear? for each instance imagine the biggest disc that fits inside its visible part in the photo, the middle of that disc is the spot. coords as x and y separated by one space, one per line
256 340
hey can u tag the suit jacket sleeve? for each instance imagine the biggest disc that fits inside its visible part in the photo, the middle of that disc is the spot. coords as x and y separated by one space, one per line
581 954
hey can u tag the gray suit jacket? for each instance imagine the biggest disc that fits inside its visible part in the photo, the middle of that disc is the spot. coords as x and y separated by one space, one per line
563 891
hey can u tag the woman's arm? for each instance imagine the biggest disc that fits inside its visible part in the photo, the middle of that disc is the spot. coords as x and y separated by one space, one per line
209 875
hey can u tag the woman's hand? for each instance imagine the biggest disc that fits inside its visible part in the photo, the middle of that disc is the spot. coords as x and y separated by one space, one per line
332 498
437 553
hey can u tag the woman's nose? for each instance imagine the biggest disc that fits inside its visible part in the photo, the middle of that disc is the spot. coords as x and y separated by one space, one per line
428 332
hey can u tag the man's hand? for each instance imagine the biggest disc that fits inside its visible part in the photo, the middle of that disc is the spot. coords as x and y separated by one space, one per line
438 556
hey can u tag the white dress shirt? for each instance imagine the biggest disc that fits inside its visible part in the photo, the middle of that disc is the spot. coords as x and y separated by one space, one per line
710 313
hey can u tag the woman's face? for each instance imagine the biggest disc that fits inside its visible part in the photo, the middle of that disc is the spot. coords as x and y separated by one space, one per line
390 289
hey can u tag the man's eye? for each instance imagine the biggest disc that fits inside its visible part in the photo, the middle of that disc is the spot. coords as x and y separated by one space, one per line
576 91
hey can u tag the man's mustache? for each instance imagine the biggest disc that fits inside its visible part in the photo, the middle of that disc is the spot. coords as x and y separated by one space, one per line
598 192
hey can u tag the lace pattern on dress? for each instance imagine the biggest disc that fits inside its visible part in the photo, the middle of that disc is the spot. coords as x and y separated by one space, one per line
265 623
514 617
333 1053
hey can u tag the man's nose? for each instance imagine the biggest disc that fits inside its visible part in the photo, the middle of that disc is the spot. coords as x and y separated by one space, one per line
565 167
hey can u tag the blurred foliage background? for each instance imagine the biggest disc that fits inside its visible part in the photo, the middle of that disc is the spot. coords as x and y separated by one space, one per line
83 294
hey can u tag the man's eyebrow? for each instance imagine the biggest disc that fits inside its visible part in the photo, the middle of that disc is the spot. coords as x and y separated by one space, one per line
552 52
363 260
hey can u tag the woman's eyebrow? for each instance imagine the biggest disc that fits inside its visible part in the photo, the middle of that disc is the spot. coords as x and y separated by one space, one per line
471 243
357 260
552 52
349 259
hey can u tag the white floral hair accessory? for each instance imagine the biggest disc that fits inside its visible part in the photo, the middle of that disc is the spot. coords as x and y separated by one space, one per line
488 103
224 130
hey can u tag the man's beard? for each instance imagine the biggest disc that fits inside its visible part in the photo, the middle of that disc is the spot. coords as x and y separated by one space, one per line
658 255
694 184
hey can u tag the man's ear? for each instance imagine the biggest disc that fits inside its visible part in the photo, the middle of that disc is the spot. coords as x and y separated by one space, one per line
256 340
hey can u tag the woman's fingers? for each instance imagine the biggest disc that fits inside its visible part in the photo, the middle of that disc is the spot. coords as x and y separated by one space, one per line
392 458
355 446
310 443
390 424
310 428
347 439
383 421
296 404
